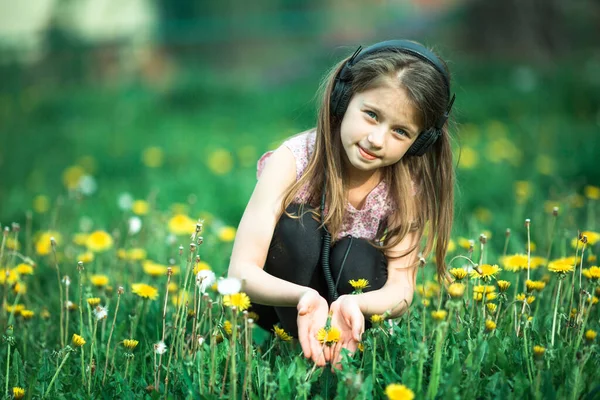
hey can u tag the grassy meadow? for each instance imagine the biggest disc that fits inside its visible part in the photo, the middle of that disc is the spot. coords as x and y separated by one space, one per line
119 209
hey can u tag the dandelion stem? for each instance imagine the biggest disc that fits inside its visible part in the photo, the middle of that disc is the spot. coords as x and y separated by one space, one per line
56 373
374 369
526 346
555 311
67 314
112 328
92 358
7 368
82 367
60 294
233 356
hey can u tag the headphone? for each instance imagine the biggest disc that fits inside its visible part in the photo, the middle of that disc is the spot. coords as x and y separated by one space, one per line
342 88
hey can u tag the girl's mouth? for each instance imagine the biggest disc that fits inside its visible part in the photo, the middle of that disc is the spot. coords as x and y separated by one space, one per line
366 154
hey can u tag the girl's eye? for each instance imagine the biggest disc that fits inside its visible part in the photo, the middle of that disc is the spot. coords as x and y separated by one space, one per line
400 132
371 114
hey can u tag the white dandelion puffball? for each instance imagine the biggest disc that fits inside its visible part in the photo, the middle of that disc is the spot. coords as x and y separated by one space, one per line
135 225
229 286
160 347
100 313
205 279
125 201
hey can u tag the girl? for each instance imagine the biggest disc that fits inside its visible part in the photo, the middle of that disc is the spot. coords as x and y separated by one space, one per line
351 199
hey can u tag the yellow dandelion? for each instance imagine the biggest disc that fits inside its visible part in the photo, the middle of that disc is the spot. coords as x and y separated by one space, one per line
590 335
429 289
592 258
534 285
477 296
491 296
592 239
99 280
592 273
451 246
361 347
561 266
328 337
130 344
27 314
172 288
136 254
523 297
425 303
593 300
456 290
458 273
144 291
227 327
93 301
86 257
26 269
465 243
396 391
9 276
181 224
439 315
468 158
490 325
484 289
153 269
77 340
45 314
226 234
515 262
377 319
523 191
539 351
140 207
359 284
503 285
42 244
20 288
122 254
592 192
18 393
239 300
488 272
72 176
281 334
80 238
99 241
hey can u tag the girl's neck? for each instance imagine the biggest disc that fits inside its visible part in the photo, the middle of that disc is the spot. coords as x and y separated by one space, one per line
357 178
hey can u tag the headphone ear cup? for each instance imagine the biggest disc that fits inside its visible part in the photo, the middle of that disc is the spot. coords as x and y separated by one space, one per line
340 97
423 142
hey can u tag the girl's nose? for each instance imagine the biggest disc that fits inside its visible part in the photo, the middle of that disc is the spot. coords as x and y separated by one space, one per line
376 137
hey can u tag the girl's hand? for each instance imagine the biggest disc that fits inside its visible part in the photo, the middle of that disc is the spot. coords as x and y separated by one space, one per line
347 317
312 316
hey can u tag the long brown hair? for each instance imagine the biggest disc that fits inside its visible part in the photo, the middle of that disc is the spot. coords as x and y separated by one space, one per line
432 174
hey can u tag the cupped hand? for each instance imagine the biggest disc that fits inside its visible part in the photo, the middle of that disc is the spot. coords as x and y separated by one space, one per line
312 316
347 317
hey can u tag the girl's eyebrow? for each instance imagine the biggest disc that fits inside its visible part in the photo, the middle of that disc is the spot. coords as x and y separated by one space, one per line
411 129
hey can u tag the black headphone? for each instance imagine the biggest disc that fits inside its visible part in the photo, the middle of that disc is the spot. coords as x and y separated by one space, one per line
341 93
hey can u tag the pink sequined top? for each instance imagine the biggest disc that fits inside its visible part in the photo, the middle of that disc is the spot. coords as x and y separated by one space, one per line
360 223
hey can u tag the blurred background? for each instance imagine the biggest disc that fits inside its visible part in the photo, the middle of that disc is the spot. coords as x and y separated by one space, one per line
105 102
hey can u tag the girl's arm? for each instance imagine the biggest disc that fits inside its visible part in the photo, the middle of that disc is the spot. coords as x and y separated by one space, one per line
256 231
397 293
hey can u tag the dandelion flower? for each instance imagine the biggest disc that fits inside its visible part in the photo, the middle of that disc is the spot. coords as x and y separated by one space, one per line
153 269
439 315
503 285
491 307
538 352
592 238
359 284
377 319
396 391
99 241
27 314
201 265
561 266
227 327
281 334
140 207
592 192
592 273
26 269
99 280
484 289
43 246
429 289
590 335
425 303
458 273
136 254
490 325
18 393
86 257
456 290
181 224
328 337
144 291
226 234
160 347
20 288
220 161
465 243
77 340
239 300
229 286
488 272
529 299
514 263
130 344
593 300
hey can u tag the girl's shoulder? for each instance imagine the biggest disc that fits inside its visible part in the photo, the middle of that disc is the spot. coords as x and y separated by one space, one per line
301 145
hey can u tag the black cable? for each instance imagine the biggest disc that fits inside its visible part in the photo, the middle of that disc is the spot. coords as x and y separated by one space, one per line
337 281
325 249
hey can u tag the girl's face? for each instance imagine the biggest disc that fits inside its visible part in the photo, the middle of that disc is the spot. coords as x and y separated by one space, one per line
378 128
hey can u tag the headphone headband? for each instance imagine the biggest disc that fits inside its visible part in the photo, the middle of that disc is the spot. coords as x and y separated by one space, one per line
341 92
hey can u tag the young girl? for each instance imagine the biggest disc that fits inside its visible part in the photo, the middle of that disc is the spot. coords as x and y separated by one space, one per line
351 199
